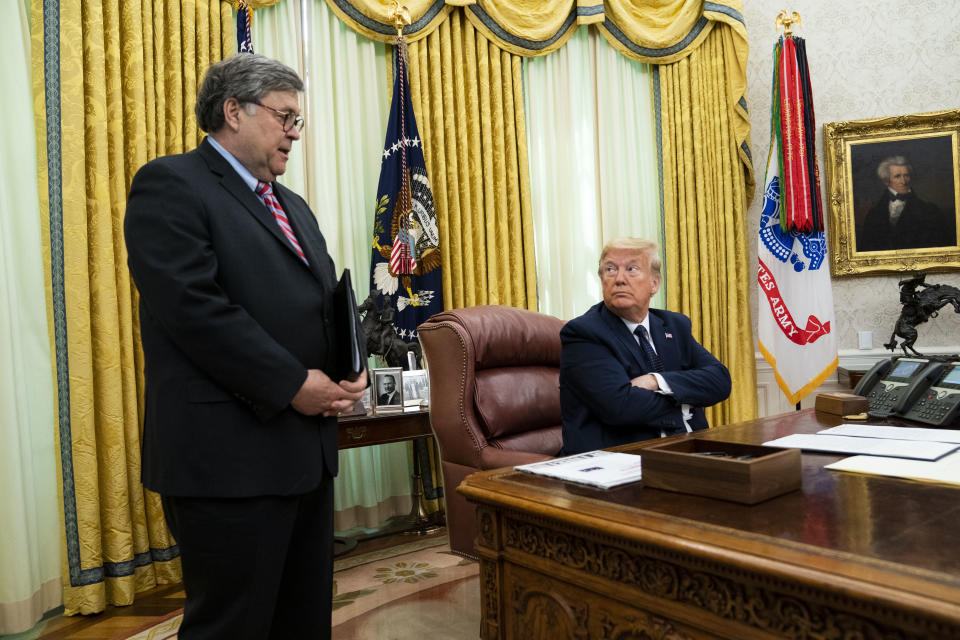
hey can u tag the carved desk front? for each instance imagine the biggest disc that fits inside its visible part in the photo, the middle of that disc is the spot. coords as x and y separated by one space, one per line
846 557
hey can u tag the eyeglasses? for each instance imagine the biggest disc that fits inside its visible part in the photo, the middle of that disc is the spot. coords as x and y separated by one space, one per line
288 119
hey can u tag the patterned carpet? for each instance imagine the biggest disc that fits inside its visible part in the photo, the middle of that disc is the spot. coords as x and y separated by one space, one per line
408 592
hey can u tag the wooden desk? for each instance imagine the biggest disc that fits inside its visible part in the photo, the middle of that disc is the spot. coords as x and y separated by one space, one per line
365 431
848 556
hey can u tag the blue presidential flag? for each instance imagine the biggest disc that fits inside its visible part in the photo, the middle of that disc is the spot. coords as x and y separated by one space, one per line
405 264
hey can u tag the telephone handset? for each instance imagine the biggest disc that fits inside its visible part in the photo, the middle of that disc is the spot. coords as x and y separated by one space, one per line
892 386
939 404
872 377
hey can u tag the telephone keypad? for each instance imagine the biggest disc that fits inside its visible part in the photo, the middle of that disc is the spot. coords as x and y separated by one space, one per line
882 400
930 408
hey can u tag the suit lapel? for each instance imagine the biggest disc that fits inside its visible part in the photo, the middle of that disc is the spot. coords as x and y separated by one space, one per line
666 346
308 235
236 187
627 340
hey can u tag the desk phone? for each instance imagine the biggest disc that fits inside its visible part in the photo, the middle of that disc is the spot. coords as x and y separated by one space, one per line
894 385
939 404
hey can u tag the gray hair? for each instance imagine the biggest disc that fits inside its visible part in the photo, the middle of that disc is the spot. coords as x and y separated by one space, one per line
883 171
248 77
639 245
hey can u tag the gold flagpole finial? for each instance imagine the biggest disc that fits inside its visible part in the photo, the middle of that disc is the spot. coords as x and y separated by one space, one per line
401 17
787 21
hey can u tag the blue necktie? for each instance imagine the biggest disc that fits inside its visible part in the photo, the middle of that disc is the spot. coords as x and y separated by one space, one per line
652 356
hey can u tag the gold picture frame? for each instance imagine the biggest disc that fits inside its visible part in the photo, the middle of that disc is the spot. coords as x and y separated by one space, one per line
854 151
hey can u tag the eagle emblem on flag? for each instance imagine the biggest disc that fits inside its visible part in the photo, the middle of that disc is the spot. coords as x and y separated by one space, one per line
415 245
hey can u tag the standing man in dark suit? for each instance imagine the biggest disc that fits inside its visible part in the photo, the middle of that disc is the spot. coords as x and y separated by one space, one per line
239 342
628 372
900 219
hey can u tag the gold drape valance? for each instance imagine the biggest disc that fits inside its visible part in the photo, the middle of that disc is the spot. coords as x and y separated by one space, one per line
653 31
650 31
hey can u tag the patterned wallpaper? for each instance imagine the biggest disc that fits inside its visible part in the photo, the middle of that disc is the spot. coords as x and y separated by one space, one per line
868 58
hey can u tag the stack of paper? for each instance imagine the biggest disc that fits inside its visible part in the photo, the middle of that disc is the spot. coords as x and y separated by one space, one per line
602 469
945 470
900 452
894 433
871 446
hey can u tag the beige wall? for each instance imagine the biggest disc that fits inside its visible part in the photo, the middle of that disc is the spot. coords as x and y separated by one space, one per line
868 58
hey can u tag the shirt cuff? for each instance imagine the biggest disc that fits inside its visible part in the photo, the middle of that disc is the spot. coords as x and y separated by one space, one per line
664 387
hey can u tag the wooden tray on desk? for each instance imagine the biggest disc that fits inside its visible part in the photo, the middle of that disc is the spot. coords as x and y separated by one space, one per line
683 467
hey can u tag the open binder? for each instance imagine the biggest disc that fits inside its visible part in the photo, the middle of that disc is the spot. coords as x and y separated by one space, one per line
350 357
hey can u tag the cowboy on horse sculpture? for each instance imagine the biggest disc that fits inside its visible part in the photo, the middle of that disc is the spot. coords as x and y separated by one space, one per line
918 307
382 338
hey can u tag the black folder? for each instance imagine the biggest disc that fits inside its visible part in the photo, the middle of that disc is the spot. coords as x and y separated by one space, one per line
350 356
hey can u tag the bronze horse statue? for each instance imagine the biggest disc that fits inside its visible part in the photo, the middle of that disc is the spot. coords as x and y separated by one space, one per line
382 338
918 307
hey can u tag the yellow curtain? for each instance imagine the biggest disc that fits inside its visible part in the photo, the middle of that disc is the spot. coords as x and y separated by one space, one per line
707 181
468 97
114 85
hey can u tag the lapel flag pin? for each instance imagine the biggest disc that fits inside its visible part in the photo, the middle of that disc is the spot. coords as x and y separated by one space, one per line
668 335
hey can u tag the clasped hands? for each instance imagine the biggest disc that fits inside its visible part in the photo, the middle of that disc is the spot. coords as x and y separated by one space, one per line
319 394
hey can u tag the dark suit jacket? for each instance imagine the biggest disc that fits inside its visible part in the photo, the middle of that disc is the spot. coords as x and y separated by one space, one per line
388 398
231 319
599 358
921 224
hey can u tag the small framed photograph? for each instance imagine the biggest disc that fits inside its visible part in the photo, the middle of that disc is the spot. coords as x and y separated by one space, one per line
387 393
893 193
416 388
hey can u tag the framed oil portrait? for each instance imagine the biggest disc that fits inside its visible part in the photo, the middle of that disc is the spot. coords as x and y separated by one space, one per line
893 193
387 392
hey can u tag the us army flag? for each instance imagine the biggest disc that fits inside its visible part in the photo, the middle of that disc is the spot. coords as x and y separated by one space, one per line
795 315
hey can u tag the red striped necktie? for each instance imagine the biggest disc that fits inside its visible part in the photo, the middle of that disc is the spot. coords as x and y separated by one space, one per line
265 191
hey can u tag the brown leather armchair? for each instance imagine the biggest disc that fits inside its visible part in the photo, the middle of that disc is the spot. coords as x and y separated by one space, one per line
494 397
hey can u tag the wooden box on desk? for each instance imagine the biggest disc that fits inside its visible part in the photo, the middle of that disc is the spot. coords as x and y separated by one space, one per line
681 466
841 404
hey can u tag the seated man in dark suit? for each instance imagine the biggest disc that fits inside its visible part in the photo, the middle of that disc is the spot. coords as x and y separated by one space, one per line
628 372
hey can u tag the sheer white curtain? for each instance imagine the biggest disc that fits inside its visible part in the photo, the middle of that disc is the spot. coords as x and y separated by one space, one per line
593 165
29 521
336 167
